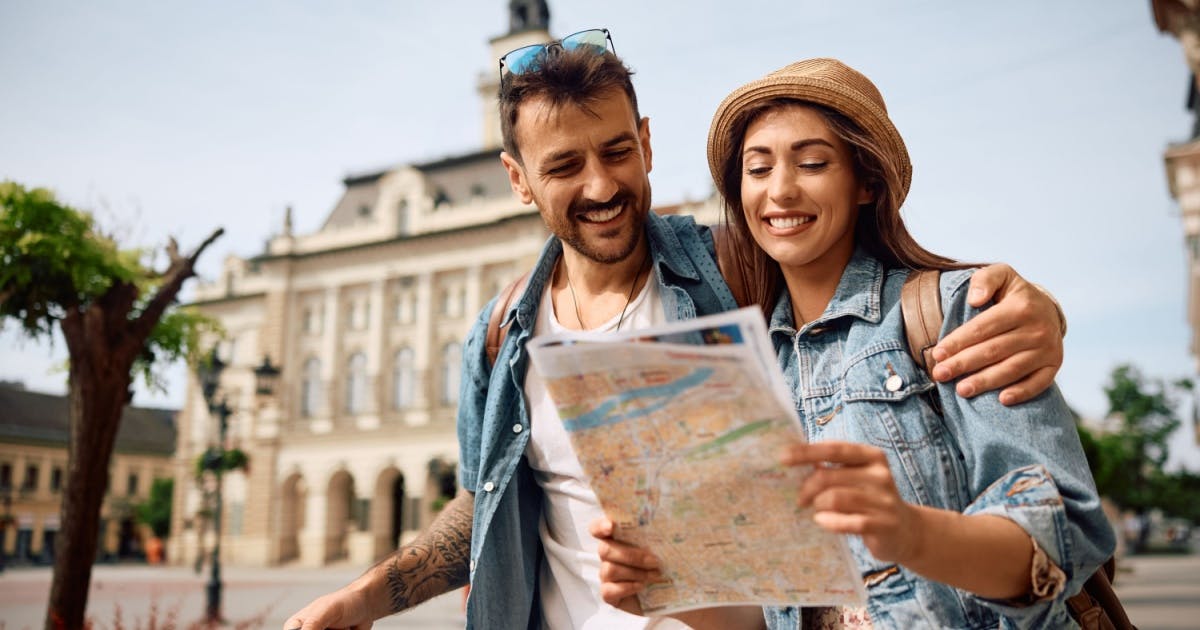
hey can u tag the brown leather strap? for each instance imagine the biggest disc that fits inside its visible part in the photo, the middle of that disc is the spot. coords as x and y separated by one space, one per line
1097 606
727 262
921 304
495 332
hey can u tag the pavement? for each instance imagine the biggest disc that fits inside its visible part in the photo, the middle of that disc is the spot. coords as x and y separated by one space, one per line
1159 592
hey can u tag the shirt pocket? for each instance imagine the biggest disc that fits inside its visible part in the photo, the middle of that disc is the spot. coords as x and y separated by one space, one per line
886 404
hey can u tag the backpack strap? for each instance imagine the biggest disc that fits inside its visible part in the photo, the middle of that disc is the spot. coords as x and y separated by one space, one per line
921 305
495 332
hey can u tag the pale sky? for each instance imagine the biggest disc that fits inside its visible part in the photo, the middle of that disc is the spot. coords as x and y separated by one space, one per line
1036 129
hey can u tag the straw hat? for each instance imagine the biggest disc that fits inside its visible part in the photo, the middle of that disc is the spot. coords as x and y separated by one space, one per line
827 82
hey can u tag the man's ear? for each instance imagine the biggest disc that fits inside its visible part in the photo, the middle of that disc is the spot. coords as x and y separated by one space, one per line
644 139
516 178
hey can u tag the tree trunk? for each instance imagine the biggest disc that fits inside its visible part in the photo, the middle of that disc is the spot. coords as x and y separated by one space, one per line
98 390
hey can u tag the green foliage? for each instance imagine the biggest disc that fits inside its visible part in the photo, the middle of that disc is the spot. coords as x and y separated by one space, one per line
1128 463
212 459
52 259
155 512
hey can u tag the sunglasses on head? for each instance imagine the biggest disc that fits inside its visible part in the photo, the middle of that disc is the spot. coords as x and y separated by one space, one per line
524 59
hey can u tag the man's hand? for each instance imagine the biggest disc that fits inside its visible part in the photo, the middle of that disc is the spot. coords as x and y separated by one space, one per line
344 608
1016 344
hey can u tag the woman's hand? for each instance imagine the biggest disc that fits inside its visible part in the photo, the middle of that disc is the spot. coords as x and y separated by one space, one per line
624 569
852 491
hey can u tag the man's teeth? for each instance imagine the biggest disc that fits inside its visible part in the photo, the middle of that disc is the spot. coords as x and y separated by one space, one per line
784 223
600 216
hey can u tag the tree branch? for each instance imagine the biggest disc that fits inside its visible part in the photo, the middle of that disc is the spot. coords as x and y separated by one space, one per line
179 270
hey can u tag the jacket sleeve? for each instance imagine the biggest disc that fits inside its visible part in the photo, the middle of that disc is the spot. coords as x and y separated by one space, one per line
1025 463
472 398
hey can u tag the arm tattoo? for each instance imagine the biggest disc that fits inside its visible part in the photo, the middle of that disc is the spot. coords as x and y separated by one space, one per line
437 561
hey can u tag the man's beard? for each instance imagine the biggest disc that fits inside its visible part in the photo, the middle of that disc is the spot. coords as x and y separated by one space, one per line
567 231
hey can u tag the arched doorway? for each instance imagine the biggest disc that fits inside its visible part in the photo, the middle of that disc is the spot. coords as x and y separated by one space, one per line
387 521
339 508
291 517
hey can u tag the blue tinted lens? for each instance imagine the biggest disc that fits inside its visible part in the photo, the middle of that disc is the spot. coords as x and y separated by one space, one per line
520 60
594 39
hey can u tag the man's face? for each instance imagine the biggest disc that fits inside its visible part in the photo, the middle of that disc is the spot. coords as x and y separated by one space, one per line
586 171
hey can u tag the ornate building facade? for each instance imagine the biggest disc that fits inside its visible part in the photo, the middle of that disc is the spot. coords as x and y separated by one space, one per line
354 453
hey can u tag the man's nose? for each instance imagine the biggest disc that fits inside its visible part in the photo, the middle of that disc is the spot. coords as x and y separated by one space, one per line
600 184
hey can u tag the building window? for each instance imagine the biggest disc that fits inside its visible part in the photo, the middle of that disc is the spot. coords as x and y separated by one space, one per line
6 474
356 384
478 191
56 479
402 217
310 388
31 478
404 374
453 301
364 210
131 485
451 365
440 199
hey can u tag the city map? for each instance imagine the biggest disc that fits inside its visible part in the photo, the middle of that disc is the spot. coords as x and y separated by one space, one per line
679 430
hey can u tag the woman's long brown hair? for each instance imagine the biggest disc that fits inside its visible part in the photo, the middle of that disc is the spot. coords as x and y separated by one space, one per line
879 229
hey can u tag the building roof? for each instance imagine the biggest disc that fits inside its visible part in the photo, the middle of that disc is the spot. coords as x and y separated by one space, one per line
34 417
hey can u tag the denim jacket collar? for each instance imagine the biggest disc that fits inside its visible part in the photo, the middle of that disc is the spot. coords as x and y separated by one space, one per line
667 251
858 295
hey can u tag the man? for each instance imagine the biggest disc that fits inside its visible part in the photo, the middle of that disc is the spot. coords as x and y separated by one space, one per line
576 146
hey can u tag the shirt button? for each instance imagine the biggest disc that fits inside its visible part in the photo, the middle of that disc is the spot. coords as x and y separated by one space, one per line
488 487
518 428
893 383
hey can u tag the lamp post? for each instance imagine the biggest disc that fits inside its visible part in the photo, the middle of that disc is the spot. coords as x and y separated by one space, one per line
209 373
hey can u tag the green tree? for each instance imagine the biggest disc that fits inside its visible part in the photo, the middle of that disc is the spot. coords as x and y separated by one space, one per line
1127 463
118 317
155 511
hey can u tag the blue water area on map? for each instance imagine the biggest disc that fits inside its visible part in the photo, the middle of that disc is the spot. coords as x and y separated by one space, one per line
607 412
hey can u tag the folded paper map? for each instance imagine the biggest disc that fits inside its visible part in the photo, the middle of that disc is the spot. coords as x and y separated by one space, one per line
679 429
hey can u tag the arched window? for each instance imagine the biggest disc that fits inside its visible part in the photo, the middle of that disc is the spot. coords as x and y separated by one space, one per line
451 365
356 383
404 379
310 388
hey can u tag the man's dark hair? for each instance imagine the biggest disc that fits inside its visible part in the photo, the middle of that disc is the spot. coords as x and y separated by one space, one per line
578 76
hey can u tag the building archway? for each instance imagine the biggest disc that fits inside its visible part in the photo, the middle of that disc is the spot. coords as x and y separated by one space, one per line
388 519
293 499
339 511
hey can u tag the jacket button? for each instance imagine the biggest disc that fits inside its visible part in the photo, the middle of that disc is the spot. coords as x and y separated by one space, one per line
489 486
893 383
518 428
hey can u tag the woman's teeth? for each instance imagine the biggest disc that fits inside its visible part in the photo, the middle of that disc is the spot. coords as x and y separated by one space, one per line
784 223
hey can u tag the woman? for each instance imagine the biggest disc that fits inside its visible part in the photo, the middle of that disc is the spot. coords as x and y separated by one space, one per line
962 513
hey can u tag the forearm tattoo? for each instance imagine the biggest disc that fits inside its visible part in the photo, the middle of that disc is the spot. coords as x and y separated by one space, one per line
436 562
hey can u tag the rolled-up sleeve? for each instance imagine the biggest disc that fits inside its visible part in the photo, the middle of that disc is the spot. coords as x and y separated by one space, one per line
1025 463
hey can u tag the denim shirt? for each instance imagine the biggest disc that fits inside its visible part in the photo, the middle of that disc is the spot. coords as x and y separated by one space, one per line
493 420
1024 463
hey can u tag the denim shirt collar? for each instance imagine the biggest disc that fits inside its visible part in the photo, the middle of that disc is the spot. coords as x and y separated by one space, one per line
858 294
665 249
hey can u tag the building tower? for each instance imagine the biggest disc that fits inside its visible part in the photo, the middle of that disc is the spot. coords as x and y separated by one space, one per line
528 23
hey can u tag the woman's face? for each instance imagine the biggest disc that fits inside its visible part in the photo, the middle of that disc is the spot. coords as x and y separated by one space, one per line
800 194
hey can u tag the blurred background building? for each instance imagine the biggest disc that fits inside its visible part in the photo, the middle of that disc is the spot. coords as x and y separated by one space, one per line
1181 19
33 460
355 450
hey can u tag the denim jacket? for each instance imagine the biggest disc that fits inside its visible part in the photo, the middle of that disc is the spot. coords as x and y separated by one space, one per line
493 420
1024 463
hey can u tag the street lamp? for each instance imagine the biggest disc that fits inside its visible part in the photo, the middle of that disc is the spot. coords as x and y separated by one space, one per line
209 373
